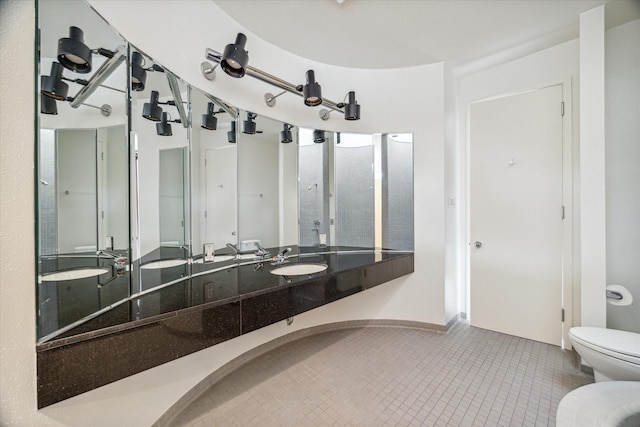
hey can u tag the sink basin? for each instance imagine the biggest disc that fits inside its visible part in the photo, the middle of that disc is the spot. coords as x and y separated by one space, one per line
298 269
163 263
80 273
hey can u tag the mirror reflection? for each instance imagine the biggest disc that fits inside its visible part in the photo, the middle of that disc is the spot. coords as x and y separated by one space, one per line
213 178
267 185
83 171
160 140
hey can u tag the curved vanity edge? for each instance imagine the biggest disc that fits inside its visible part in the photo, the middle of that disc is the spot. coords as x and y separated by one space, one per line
170 415
73 365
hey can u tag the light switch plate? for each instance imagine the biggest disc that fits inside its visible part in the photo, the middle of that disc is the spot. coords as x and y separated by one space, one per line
208 250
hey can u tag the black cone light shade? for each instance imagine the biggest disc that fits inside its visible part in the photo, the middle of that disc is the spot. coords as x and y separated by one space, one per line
352 109
73 54
249 126
52 85
285 135
164 128
209 121
138 73
48 105
231 135
151 111
312 92
318 136
235 58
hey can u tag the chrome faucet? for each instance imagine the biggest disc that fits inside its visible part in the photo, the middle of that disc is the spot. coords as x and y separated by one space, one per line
233 247
281 257
120 261
261 252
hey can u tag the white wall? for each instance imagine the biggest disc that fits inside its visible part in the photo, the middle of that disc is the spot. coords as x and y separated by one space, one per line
592 161
622 127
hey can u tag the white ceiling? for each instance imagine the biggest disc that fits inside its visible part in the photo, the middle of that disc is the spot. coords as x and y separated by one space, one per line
466 34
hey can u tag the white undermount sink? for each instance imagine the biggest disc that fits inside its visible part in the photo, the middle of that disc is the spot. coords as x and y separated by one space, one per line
163 263
79 273
298 269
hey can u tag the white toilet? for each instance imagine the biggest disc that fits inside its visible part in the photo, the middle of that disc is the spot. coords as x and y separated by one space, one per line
614 355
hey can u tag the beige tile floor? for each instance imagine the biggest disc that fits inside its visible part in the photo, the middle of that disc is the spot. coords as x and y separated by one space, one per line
389 376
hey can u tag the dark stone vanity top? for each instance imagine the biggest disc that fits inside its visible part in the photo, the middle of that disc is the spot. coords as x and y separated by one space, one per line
167 290
183 309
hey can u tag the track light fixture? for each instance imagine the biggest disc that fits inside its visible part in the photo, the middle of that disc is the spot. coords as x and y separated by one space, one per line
235 58
52 85
249 126
151 110
234 61
209 120
231 135
311 92
285 135
138 73
164 127
73 54
49 106
318 136
351 108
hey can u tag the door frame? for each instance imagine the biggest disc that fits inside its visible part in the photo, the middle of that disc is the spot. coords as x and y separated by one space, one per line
567 199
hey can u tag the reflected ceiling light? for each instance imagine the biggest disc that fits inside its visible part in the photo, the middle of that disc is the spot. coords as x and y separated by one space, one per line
285 135
209 120
73 54
318 136
249 126
151 111
52 85
351 108
231 135
235 58
164 128
48 105
311 92
138 72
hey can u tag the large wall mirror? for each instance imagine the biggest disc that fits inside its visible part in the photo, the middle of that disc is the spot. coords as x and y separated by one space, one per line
147 184
83 168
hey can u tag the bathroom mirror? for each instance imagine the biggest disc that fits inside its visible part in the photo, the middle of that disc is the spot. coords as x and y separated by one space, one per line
317 207
83 170
213 177
267 184
160 160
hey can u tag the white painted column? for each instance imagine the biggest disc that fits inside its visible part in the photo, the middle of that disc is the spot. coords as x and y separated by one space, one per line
592 169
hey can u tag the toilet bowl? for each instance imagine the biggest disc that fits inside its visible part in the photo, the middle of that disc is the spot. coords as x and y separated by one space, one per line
614 355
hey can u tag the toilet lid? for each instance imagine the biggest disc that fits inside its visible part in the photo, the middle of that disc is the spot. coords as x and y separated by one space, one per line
623 342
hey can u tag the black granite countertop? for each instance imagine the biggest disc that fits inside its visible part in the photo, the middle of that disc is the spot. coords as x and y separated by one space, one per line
157 292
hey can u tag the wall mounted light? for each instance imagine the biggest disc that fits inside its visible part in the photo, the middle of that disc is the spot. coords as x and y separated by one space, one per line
48 105
151 110
311 92
249 126
318 136
209 120
52 85
285 135
351 108
164 128
235 58
138 73
231 135
73 54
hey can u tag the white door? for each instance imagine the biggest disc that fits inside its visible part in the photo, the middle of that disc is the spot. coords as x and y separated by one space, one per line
221 189
516 215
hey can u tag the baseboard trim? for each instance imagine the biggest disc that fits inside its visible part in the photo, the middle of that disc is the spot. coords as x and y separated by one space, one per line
183 402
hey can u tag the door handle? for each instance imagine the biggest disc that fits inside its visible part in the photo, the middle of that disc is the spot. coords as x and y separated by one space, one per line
477 244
